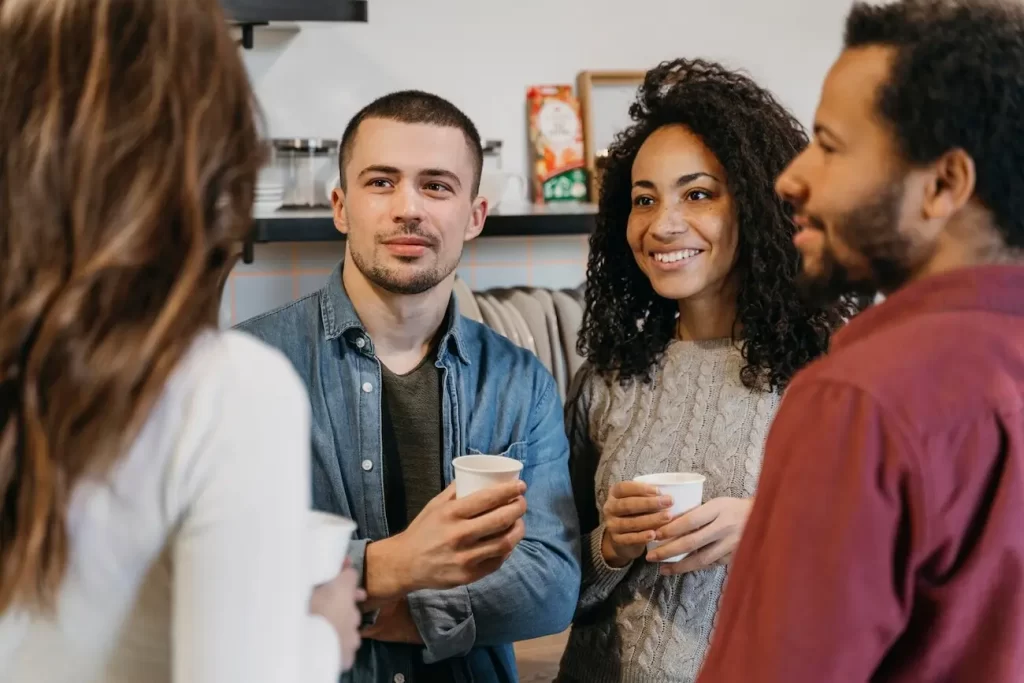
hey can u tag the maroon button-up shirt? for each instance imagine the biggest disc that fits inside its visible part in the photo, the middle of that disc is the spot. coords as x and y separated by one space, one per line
886 540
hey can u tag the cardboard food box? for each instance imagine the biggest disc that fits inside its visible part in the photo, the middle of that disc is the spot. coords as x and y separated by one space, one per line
556 139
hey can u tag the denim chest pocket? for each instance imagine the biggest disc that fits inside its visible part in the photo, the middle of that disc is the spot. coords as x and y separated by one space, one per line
517 451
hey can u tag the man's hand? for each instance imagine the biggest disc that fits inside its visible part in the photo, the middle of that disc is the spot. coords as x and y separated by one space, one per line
450 543
710 533
394 624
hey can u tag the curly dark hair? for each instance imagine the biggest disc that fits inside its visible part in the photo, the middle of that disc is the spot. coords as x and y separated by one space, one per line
626 325
957 83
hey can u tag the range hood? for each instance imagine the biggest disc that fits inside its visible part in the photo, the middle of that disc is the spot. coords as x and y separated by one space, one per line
265 11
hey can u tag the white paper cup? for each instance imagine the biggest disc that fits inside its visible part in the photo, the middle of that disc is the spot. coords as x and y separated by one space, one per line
328 537
477 472
687 491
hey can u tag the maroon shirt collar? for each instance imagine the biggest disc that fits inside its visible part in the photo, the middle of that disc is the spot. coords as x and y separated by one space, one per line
998 289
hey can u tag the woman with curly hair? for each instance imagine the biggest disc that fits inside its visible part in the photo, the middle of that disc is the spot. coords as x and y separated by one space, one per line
693 326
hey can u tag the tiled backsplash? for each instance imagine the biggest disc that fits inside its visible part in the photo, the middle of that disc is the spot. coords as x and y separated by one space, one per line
282 273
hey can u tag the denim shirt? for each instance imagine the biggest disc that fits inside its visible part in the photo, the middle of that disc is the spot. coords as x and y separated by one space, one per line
497 398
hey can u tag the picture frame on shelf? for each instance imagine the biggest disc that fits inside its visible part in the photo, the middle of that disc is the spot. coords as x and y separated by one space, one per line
605 96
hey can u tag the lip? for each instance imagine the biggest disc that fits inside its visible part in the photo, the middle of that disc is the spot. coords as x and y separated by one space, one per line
804 236
408 240
407 246
674 265
805 223
675 248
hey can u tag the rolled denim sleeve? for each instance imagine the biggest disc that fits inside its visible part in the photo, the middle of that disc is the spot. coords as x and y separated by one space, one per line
357 558
534 594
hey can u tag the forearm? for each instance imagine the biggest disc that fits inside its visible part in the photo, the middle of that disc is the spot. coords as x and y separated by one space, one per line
599 577
540 590
532 595
394 624
385 575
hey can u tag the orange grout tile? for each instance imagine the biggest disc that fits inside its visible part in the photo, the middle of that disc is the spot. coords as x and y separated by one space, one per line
297 272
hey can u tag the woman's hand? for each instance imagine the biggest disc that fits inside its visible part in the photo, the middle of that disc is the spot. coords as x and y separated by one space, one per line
709 533
632 515
337 602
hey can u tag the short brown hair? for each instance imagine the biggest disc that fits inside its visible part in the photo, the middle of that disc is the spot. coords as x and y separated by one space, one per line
415 106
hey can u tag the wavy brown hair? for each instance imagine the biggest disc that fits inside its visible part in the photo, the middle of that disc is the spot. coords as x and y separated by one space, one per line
129 150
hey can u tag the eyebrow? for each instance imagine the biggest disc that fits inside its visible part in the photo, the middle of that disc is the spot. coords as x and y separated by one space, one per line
427 172
680 181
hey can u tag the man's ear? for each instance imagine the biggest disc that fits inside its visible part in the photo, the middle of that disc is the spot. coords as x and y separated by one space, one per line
338 209
951 186
476 218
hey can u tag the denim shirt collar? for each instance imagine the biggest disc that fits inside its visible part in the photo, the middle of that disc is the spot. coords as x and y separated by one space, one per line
339 317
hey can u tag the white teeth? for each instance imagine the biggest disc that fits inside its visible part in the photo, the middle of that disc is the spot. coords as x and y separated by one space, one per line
673 256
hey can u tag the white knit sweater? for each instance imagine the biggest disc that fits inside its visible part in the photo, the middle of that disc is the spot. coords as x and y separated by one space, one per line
633 625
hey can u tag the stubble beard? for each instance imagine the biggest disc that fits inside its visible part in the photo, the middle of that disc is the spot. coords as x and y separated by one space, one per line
873 231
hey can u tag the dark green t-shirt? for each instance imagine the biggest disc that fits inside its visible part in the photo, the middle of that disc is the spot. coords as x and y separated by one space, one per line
411 441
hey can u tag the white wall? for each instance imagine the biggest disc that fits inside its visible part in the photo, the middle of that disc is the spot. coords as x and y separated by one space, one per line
482 55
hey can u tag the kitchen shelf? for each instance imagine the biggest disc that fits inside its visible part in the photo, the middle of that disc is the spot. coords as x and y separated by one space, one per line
250 14
241 12
318 226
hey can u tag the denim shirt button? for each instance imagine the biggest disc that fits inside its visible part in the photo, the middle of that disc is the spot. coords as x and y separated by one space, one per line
367 388
367 465
399 678
361 342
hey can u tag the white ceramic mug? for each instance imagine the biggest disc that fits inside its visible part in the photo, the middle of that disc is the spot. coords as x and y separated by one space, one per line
477 472
687 492
494 185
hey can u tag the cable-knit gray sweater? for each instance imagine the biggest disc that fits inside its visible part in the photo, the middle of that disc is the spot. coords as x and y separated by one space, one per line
633 625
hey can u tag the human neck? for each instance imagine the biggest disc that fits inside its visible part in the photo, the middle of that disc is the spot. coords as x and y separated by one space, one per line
403 326
709 316
969 242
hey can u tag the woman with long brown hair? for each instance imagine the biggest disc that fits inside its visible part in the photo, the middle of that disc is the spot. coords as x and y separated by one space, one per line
154 471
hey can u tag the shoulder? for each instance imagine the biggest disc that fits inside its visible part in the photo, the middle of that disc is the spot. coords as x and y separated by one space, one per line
932 372
499 358
233 409
589 381
284 326
229 374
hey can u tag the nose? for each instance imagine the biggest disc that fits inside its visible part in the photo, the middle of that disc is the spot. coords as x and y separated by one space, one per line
790 185
669 223
406 204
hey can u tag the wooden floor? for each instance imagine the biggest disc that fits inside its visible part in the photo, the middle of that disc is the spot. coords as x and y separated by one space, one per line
537 660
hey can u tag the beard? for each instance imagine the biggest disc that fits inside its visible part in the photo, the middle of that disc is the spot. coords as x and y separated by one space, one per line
394 280
871 230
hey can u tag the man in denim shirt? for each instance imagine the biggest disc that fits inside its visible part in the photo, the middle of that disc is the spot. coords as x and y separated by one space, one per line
400 385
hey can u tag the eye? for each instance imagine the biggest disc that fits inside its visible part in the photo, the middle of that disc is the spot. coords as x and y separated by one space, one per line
825 147
437 187
643 200
698 195
380 182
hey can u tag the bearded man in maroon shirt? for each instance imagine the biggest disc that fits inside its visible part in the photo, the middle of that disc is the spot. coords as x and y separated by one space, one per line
885 543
